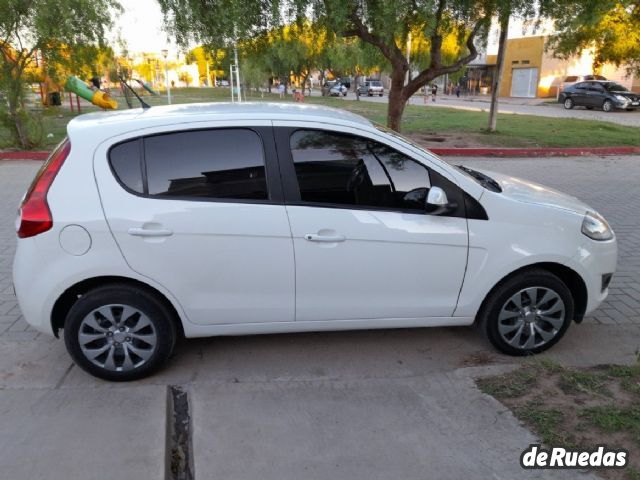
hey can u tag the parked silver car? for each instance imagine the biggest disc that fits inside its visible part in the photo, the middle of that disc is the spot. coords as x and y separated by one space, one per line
371 88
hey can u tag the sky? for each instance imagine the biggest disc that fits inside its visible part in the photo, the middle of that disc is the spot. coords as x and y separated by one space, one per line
140 25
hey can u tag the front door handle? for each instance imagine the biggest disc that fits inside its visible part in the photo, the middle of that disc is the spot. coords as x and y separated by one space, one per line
148 232
313 237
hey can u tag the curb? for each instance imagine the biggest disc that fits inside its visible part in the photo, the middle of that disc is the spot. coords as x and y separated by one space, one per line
24 155
450 152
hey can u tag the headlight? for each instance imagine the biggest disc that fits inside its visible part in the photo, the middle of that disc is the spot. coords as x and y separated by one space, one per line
596 227
621 98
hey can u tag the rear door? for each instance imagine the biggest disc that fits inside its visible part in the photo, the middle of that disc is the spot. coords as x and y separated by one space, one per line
365 246
201 212
580 94
596 95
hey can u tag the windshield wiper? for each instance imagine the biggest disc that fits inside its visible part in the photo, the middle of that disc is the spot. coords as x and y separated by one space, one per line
484 180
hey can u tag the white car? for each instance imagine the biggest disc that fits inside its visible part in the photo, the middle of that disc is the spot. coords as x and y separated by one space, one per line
235 219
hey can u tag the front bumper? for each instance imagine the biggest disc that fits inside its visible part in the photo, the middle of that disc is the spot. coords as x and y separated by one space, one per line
596 261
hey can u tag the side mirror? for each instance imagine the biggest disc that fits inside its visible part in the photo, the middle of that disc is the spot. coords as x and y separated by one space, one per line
436 197
437 202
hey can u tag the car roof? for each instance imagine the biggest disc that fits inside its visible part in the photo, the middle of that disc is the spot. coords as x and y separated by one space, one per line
121 121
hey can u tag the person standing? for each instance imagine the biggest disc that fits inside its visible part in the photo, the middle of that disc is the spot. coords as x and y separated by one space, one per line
434 91
458 90
281 90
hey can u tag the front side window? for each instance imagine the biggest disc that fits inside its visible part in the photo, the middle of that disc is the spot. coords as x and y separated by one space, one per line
215 164
345 170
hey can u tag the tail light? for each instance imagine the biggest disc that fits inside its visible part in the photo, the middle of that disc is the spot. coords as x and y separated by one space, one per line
34 216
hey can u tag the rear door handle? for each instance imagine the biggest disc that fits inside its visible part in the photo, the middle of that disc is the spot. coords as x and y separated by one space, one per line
313 237
144 232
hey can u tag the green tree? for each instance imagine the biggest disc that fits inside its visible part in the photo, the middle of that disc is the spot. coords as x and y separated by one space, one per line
383 25
59 31
611 27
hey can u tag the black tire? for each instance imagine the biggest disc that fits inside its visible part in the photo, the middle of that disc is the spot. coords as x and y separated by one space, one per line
161 318
499 296
569 103
607 106
381 94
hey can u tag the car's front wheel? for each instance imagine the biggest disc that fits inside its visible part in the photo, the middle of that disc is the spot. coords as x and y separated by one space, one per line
119 332
607 106
527 313
569 103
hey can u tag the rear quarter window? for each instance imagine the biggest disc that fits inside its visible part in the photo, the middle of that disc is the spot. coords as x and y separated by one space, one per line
125 161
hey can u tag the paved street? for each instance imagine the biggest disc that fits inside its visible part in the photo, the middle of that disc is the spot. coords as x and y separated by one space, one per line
344 405
518 106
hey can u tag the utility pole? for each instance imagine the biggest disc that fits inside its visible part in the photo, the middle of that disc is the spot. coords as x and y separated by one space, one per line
497 78
165 54
208 75
408 77
235 59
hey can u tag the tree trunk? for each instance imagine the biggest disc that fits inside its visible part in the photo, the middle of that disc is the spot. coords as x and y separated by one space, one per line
397 99
20 129
497 78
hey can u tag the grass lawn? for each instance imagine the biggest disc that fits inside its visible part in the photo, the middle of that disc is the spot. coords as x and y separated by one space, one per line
576 408
429 126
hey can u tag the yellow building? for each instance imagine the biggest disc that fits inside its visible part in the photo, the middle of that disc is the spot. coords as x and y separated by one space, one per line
529 71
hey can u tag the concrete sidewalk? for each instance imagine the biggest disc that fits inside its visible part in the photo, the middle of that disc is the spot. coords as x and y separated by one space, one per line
343 405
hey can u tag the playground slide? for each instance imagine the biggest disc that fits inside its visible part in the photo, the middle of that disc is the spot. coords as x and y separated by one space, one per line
97 97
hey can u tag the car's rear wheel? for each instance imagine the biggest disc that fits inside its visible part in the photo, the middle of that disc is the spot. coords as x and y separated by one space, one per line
528 313
381 94
607 106
569 103
119 332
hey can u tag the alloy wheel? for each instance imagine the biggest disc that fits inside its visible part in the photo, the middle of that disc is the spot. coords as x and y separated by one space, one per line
117 337
531 318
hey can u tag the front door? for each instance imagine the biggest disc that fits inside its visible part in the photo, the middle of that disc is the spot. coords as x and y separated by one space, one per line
200 215
365 247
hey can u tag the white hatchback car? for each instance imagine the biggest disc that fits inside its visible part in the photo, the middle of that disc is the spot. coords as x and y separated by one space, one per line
233 219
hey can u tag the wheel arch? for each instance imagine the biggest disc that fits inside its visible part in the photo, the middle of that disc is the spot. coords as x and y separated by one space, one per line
567 275
71 295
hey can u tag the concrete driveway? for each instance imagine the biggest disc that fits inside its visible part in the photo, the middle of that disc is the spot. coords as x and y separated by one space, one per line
344 405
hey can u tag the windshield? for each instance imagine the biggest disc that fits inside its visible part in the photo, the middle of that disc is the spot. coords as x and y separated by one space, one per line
376 84
615 87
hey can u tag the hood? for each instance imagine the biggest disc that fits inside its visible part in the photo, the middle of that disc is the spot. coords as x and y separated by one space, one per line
530 192
625 93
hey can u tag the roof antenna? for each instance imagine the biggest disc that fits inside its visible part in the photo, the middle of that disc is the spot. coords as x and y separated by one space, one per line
144 104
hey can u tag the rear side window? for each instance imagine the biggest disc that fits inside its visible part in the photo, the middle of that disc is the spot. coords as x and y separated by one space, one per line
226 163
208 164
126 164
346 170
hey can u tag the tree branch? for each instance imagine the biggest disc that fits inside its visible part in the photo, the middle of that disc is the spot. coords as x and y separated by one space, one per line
391 52
435 68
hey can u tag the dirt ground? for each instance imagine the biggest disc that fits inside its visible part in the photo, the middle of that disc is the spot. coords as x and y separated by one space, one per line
576 408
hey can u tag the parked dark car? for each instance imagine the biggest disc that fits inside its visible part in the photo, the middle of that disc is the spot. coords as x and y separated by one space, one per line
606 95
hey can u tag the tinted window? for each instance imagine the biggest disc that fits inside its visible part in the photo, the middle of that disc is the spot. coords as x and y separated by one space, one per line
345 170
571 79
615 87
226 163
581 86
596 87
125 162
